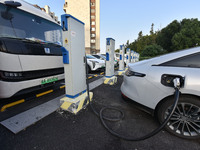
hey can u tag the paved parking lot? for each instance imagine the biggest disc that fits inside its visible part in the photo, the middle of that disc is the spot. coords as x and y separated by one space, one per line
63 130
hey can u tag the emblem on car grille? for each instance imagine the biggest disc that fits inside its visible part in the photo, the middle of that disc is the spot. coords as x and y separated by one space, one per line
47 50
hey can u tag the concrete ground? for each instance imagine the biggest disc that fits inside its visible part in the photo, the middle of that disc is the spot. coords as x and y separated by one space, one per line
84 131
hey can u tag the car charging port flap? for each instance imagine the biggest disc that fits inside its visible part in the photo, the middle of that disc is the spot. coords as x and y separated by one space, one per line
167 80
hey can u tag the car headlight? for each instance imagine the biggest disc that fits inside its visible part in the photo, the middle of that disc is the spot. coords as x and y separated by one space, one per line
94 62
133 73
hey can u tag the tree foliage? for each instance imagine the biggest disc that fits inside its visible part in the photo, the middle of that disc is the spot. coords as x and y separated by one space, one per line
152 51
164 37
175 36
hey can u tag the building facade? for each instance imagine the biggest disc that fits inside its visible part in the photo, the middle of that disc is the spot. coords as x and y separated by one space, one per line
88 11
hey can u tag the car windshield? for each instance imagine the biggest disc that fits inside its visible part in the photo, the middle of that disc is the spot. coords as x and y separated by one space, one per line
90 57
102 56
15 23
117 55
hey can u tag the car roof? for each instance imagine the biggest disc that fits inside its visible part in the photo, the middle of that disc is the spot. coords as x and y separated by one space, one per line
33 10
167 57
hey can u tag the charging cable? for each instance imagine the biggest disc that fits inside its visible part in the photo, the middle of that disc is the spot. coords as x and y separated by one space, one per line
154 132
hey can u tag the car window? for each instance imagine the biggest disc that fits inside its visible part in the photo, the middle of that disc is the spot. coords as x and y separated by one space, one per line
190 61
102 56
97 56
90 57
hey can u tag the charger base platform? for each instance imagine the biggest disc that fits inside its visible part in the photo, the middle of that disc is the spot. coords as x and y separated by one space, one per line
121 73
74 105
110 80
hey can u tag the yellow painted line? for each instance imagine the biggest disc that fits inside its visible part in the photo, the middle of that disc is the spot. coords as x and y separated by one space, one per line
101 73
90 77
95 75
61 87
12 104
44 93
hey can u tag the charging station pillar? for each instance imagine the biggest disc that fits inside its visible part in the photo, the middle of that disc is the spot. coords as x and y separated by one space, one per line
73 51
132 56
110 77
121 61
138 56
128 57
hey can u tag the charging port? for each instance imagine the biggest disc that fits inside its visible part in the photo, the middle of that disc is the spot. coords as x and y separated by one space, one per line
167 80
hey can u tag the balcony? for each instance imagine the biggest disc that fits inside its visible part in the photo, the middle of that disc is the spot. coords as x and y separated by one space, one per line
93 13
92 7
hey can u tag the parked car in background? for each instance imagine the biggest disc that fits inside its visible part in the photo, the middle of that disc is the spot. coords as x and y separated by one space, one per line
103 57
116 56
150 83
99 56
94 64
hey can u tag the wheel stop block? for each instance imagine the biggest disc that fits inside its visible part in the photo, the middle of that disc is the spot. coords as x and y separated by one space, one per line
120 73
74 105
111 80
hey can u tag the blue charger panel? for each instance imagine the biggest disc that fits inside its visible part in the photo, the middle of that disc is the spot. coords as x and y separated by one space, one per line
131 57
127 57
107 56
108 42
120 57
65 54
64 22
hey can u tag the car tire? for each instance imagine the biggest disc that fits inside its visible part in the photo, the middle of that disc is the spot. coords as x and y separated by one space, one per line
185 121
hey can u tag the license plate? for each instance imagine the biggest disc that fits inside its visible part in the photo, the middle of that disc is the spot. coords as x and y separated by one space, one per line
49 80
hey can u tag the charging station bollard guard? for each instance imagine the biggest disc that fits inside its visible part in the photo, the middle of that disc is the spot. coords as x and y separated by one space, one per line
73 51
74 105
110 77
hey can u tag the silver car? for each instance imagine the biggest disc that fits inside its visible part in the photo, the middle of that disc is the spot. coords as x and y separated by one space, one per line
150 83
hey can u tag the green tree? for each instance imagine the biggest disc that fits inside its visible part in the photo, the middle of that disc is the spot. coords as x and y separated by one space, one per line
152 30
152 51
189 35
164 37
117 50
127 44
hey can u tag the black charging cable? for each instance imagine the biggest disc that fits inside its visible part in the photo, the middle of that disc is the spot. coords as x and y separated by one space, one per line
154 132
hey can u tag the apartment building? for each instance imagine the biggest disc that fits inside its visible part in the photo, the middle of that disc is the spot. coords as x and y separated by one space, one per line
88 11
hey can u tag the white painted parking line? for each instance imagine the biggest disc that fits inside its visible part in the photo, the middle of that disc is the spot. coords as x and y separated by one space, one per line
29 117
95 83
25 119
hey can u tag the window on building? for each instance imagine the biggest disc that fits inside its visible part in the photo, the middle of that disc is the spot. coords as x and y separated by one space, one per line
92 35
93 29
93 22
92 17
92 41
92 10
92 4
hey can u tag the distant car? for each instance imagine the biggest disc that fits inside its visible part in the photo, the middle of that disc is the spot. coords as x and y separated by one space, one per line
99 56
117 55
94 64
103 57
149 83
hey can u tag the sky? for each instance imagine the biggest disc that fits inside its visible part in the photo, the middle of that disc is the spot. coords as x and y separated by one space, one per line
122 20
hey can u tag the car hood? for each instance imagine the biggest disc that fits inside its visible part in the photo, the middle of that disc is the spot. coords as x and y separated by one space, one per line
98 60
